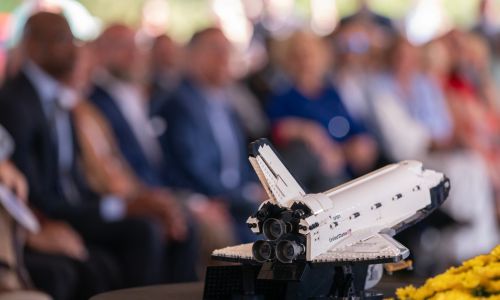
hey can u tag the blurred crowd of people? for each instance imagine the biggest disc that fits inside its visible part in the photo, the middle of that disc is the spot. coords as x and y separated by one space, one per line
133 157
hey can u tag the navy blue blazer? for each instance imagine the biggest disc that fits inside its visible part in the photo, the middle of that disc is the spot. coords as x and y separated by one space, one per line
192 154
35 154
127 142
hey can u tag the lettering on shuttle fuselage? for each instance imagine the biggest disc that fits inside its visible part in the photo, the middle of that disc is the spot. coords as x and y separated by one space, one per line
340 235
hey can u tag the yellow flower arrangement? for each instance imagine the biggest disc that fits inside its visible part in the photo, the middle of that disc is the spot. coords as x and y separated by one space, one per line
477 278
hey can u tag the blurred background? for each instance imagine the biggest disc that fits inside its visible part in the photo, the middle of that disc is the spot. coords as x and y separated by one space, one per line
420 20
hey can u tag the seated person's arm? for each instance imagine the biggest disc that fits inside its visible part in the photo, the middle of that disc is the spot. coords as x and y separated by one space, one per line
315 137
105 168
13 179
57 237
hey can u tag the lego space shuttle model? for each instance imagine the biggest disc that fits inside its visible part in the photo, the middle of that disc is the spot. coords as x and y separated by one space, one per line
354 222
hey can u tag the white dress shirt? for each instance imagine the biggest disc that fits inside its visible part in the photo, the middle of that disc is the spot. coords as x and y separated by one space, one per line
225 137
132 104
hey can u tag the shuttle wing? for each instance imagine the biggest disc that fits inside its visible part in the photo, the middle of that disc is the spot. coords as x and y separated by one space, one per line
379 247
274 176
236 253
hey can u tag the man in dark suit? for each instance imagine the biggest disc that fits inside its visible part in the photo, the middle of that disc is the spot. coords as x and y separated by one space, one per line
120 99
33 109
204 141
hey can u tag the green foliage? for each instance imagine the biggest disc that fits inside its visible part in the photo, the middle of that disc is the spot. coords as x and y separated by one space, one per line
391 8
110 11
186 16
463 12
9 5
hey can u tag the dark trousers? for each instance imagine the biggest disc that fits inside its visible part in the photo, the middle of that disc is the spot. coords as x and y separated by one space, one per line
66 279
144 254
136 254
136 244
181 258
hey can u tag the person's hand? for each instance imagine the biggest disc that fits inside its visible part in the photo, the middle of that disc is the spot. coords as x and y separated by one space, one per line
162 205
212 211
330 153
57 237
332 159
173 215
316 138
13 180
361 153
254 192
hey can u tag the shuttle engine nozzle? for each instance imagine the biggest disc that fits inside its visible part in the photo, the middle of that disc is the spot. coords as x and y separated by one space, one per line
263 251
288 251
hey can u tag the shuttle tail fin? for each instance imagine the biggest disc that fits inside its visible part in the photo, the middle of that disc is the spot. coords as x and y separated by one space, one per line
274 176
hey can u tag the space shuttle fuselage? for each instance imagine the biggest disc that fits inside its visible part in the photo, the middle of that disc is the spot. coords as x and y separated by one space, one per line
352 222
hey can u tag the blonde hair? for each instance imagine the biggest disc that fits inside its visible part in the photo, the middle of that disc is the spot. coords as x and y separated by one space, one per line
304 45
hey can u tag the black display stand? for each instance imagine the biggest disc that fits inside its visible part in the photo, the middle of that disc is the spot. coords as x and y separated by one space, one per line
274 280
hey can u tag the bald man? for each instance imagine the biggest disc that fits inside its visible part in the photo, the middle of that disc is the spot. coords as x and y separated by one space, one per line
36 109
